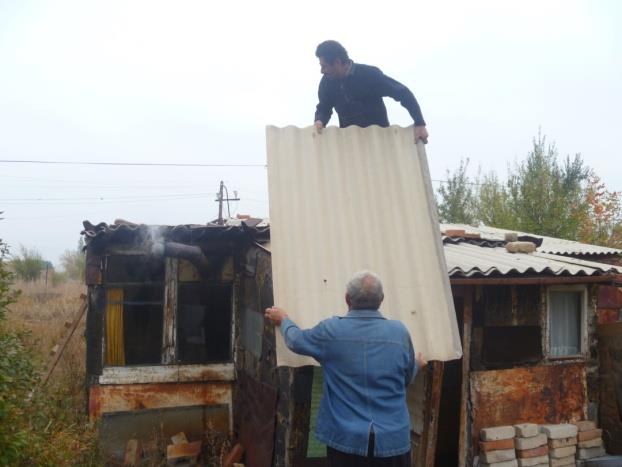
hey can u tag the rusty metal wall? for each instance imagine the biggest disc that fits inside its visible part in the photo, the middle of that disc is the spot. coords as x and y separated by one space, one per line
540 394
610 410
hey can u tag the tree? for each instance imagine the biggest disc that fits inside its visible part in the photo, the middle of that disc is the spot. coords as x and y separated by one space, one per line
29 264
457 202
602 220
492 206
73 261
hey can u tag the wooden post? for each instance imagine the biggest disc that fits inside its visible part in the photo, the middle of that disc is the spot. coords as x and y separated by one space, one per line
467 313
169 336
433 396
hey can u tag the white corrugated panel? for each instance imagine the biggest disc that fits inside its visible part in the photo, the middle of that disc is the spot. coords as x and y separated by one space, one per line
351 199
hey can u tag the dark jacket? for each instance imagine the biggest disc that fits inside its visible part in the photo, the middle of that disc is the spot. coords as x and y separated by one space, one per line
357 98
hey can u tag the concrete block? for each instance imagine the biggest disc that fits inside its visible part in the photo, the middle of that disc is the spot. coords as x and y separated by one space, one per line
498 456
533 461
561 442
559 453
497 445
535 452
496 432
563 430
526 430
588 435
561 462
586 425
530 443
511 463
520 247
589 453
591 443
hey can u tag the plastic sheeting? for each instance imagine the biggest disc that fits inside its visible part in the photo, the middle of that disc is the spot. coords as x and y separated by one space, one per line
352 199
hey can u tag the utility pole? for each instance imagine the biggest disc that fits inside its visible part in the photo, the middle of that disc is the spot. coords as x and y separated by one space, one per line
220 199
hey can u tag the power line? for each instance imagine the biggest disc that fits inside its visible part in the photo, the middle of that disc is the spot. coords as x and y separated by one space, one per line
140 164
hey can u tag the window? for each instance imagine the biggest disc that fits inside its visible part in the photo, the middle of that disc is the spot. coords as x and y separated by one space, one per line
566 321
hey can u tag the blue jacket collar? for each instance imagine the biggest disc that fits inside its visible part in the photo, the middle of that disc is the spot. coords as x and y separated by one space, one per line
364 314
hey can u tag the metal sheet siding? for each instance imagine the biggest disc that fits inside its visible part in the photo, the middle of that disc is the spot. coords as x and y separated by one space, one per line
351 199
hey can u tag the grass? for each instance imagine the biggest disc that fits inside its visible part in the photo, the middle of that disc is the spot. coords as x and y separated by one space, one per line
60 431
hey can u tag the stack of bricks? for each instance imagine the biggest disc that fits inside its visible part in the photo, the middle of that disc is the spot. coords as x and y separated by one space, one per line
496 447
531 446
562 441
590 440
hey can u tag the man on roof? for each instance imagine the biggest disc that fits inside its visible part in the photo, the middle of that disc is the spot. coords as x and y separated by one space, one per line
355 91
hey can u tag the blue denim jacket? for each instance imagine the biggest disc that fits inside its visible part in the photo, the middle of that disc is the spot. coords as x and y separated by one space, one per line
368 361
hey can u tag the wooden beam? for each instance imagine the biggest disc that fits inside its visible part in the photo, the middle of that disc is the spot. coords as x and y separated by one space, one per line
467 321
434 401
608 278
169 336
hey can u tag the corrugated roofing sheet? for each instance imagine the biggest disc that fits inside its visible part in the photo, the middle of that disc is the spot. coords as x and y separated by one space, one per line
372 191
467 260
553 245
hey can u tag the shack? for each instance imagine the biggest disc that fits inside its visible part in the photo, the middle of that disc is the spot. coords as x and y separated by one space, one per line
176 341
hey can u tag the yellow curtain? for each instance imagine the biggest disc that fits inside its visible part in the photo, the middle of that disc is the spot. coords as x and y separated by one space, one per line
115 346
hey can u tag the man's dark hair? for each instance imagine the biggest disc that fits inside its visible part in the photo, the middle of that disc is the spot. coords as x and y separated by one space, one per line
331 51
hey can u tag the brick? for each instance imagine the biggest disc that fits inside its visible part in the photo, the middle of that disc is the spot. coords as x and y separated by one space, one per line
535 452
589 453
563 430
559 453
526 430
183 452
588 435
511 463
530 443
496 445
591 443
179 438
586 425
561 462
561 442
498 456
497 432
533 461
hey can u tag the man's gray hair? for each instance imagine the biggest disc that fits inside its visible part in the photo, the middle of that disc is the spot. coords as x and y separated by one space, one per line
365 291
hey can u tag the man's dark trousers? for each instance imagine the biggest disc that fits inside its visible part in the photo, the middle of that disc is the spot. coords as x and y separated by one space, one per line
342 459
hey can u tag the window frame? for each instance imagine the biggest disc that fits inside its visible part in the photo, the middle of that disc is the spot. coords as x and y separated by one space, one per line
583 332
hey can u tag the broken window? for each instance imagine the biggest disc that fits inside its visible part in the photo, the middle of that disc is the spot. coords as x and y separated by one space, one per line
506 346
134 310
566 310
204 323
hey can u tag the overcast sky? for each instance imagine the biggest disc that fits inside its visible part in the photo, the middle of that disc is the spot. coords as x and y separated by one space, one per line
197 82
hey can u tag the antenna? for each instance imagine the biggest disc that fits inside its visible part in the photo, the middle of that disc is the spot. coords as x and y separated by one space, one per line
220 199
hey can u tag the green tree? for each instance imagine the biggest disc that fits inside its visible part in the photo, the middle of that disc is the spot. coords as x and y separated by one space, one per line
29 264
602 220
546 197
491 200
456 197
73 262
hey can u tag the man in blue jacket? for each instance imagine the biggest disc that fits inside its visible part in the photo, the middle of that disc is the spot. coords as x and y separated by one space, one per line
368 362
355 91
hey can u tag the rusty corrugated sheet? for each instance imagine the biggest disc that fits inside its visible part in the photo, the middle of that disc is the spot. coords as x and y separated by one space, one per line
126 398
539 394
350 199
610 409
258 408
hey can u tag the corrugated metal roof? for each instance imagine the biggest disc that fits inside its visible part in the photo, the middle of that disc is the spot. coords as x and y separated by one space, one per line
549 244
467 260
351 199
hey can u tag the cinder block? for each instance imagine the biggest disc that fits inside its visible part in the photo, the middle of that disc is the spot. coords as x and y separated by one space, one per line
561 442
591 443
530 443
588 435
511 463
561 462
560 453
563 430
535 452
497 432
497 445
526 430
533 461
586 425
498 456
589 453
